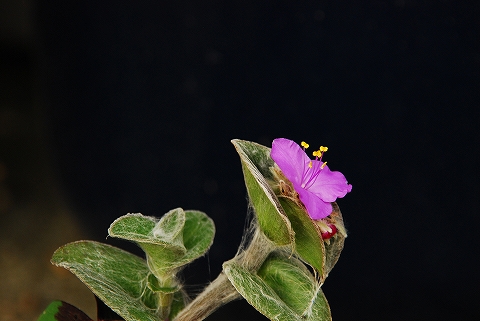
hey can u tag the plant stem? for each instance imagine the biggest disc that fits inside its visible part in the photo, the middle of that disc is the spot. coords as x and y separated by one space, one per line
256 252
221 291
218 293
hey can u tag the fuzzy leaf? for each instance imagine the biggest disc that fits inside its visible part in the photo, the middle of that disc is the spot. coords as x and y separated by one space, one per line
334 248
259 294
320 310
178 238
117 277
198 234
309 244
290 279
256 163
161 239
283 289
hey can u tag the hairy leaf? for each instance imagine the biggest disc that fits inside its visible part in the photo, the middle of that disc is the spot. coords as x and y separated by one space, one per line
261 296
290 279
117 277
334 247
256 163
309 244
283 289
178 238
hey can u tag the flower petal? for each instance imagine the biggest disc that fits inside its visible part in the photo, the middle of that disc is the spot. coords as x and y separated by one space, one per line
330 185
316 207
290 157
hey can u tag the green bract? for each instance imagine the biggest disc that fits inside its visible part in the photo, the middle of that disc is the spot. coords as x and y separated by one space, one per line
256 163
334 247
309 244
283 289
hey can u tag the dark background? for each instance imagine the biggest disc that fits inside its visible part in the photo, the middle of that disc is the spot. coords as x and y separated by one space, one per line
139 102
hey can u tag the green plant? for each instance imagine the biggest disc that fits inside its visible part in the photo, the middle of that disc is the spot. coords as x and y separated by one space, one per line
279 269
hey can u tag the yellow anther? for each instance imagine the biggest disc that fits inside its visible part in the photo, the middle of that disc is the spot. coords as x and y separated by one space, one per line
323 149
310 164
317 153
304 145
323 165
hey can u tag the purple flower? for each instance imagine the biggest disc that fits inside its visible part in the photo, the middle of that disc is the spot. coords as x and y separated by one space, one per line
316 185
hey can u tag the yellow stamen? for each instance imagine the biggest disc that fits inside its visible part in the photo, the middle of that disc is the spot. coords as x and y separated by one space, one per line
304 145
310 164
323 165
323 149
317 153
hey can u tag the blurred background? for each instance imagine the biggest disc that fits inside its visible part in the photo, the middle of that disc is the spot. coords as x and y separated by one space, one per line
111 107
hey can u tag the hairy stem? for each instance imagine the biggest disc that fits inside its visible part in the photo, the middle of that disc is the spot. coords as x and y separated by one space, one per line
218 293
221 291
256 252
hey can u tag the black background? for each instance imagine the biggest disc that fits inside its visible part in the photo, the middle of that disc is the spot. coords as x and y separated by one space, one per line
144 98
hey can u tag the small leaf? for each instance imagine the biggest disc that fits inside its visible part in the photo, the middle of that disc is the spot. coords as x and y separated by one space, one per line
166 231
261 296
198 235
62 311
290 279
309 244
117 277
256 163
170 226
135 227
296 286
178 238
283 289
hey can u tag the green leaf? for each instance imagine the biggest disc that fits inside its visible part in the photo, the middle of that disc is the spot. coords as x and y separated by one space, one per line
309 244
258 155
256 163
296 286
261 296
290 279
117 277
283 289
162 239
334 247
176 239
320 310
170 226
198 235
62 311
